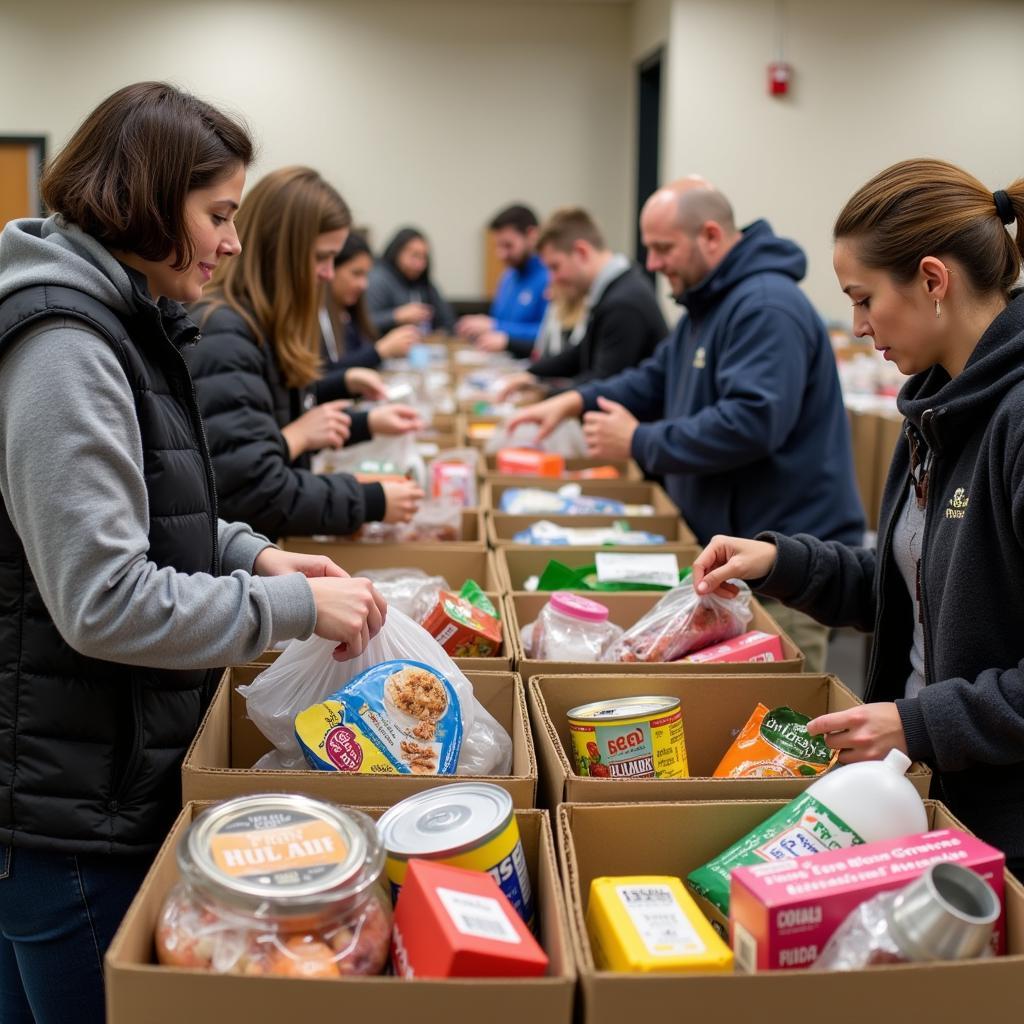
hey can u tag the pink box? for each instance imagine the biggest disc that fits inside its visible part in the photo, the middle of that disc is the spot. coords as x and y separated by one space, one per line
753 646
783 913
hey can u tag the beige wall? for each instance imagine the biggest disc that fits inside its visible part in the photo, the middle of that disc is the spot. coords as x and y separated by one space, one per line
875 82
426 111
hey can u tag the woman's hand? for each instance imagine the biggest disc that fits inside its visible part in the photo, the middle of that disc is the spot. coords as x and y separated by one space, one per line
396 344
393 419
865 733
275 562
349 611
367 383
731 558
413 313
401 500
324 426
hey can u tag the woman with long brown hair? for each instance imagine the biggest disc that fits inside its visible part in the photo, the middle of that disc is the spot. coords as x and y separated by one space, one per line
266 401
120 588
925 252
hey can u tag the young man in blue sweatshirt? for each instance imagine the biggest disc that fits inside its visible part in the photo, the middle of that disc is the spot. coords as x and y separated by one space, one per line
739 408
520 302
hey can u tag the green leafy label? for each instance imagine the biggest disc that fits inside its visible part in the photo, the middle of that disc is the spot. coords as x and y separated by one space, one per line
786 730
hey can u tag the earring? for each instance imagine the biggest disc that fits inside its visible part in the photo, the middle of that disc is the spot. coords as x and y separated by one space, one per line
938 310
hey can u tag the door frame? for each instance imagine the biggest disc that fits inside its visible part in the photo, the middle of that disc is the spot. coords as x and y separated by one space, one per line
39 142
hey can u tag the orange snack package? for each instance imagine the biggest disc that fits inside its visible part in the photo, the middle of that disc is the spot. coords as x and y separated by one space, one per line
775 745
529 462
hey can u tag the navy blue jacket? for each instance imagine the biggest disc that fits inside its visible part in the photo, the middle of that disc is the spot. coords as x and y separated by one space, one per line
740 408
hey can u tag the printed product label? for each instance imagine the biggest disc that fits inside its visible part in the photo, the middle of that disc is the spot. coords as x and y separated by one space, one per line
480 916
786 730
645 749
803 826
660 921
398 717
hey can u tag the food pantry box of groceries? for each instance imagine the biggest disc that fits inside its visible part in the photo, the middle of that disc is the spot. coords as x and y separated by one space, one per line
463 527
626 609
716 712
140 990
629 492
599 840
576 468
503 529
219 763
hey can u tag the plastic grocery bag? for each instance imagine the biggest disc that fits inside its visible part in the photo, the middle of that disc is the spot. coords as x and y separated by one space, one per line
411 591
394 454
682 622
307 673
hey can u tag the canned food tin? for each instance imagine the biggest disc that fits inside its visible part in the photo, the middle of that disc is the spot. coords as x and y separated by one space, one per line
466 824
629 738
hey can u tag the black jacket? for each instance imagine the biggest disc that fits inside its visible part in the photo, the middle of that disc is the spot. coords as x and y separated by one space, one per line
90 751
968 722
623 329
245 404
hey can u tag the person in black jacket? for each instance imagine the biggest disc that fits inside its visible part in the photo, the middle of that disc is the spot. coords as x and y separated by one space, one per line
623 321
924 253
401 289
266 401
348 334
120 588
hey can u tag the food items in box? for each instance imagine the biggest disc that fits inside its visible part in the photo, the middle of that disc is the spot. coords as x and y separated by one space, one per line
278 885
455 923
619 533
629 738
856 803
782 914
434 521
398 717
529 462
453 476
775 744
465 824
566 501
569 628
682 622
650 923
412 591
472 592
748 647
463 630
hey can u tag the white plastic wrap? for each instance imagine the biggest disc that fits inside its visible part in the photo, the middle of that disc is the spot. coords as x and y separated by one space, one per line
307 673
411 591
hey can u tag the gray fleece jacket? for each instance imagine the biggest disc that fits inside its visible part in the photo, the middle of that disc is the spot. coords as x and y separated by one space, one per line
71 477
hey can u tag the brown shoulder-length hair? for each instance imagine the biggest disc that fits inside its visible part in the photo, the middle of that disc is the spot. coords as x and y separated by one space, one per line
272 284
124 175
926 207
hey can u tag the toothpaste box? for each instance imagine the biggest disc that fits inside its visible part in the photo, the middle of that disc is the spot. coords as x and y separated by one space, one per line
783 913
753 646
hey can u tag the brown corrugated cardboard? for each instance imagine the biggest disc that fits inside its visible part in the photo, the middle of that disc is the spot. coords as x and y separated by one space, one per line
627 468
502 527
473 536
714 709
864 436
625 610
219 762
631 492
890 434
516 563
139 991
673 839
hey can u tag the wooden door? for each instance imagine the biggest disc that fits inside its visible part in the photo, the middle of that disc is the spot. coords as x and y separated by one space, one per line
21 160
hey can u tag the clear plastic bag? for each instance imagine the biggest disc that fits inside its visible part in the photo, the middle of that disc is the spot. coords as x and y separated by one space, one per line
452 476
565 440
411 591
434 522
307 673
395 454
559 635
682 622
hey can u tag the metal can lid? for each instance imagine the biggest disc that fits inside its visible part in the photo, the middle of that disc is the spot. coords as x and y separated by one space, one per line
446 820
280 854
622 707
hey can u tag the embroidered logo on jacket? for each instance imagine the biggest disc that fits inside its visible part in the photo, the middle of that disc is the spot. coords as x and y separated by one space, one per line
957 504
699 361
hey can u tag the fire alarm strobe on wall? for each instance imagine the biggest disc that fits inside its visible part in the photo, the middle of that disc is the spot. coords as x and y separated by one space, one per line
779 77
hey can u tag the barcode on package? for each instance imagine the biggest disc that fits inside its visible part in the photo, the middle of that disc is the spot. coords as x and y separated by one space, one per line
480 916
744 948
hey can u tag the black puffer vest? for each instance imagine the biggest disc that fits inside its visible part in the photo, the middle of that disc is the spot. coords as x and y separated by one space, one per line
90 751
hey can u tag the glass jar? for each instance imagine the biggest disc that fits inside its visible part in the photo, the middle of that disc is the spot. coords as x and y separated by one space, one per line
572 628
278 885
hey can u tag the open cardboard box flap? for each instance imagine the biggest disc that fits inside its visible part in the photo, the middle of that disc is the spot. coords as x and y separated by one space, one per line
714 709
673 839
140 991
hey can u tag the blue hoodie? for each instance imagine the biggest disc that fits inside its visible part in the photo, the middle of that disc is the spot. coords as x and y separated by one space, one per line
740 408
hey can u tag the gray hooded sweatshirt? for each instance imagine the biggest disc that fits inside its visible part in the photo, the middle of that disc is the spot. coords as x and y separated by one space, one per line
71 478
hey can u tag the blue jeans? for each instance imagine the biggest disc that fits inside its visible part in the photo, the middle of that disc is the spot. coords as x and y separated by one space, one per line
58 913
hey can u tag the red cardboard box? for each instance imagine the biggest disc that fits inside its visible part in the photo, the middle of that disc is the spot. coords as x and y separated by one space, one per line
753 646
454 923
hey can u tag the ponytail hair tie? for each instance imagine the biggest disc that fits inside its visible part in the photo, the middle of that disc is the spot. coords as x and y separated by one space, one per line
1004 207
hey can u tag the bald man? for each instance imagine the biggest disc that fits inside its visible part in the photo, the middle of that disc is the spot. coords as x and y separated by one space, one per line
739 408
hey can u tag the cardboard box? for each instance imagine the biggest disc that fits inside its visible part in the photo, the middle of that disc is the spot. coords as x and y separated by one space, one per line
139 991
502 528
474 536
673 839
516 563
625 609
715 708
629 492
864 438
628 469
218 764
